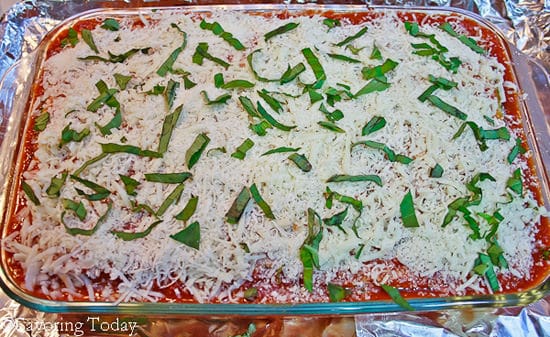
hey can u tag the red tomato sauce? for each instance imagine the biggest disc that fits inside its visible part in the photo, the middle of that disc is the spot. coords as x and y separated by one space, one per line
409 288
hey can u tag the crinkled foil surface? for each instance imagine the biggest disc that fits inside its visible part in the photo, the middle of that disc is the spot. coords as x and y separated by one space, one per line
525 23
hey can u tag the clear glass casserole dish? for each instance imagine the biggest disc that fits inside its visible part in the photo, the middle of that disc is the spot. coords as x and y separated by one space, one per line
14 84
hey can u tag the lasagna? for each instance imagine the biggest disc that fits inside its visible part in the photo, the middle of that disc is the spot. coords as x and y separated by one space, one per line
231 156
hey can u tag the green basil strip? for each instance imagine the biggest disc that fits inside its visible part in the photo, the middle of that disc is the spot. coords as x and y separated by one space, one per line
89 40
112 124
237 84
249 106
484 266
390 154
196 149
170 92
471 186
137 208
72 38
272 102
331 23
102 99
110 24
280 30
396 297
88 163
167 178
353 37
291 73
376 123
516 151
493 221
122 80
131 149
167 65
189 236
376 84
477 134
316 66
189 209
241 150
201 53
172 198
500 133
77 207
87 232
56 184
354 50
157 90
250 60
436 171
344 58
69 135
41 121
218 80
333 116
331 126
453 208
313 95
261 202
30 193
127 236
100 191
272 120
515 182
130 184
260 128
408 214
309 251
168 127
222 99
301 161
378 71
251 293
115 58
451 110
237 208
281 150
357 178
336 220
427 93
442 83
467 41
330 195
375 54
336 293
218 30
495 252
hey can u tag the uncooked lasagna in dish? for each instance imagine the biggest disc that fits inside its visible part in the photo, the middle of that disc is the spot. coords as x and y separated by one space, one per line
240 157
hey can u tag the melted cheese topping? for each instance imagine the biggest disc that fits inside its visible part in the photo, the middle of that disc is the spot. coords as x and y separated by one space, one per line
59 264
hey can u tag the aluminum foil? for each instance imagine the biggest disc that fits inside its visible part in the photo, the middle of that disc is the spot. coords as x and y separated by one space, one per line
525 23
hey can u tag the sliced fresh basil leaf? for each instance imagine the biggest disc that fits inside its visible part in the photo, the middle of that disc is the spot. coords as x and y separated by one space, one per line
56 184
130 184
189 236
87 232
344 58
110 24
281 150
170 92
100 191
316 67
291 73
408 214
331 23
69 135
222 99
172 198
309 255
333 116
189 209
453 208
168 126
168 178
336 220
451 110
249 106
201 53
30 193
355 178
376 84
484 266
250 60
336 293
436 171
122 80
467 41
112 124
260 128
88 163
280 30
103 98
77 207
332 195
261 202
41 121
130 236
379 71
218 30
331 126
196 149
131 149
376 123
301 161
241 150
375 54
516 151
115 58
272 120
515 182
72 38
237 208
235 84
396 297
272 102
353 37
89 39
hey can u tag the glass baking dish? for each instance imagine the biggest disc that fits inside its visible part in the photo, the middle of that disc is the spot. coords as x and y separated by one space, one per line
16 87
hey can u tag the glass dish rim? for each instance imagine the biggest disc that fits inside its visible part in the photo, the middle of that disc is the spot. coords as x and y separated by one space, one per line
340 308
